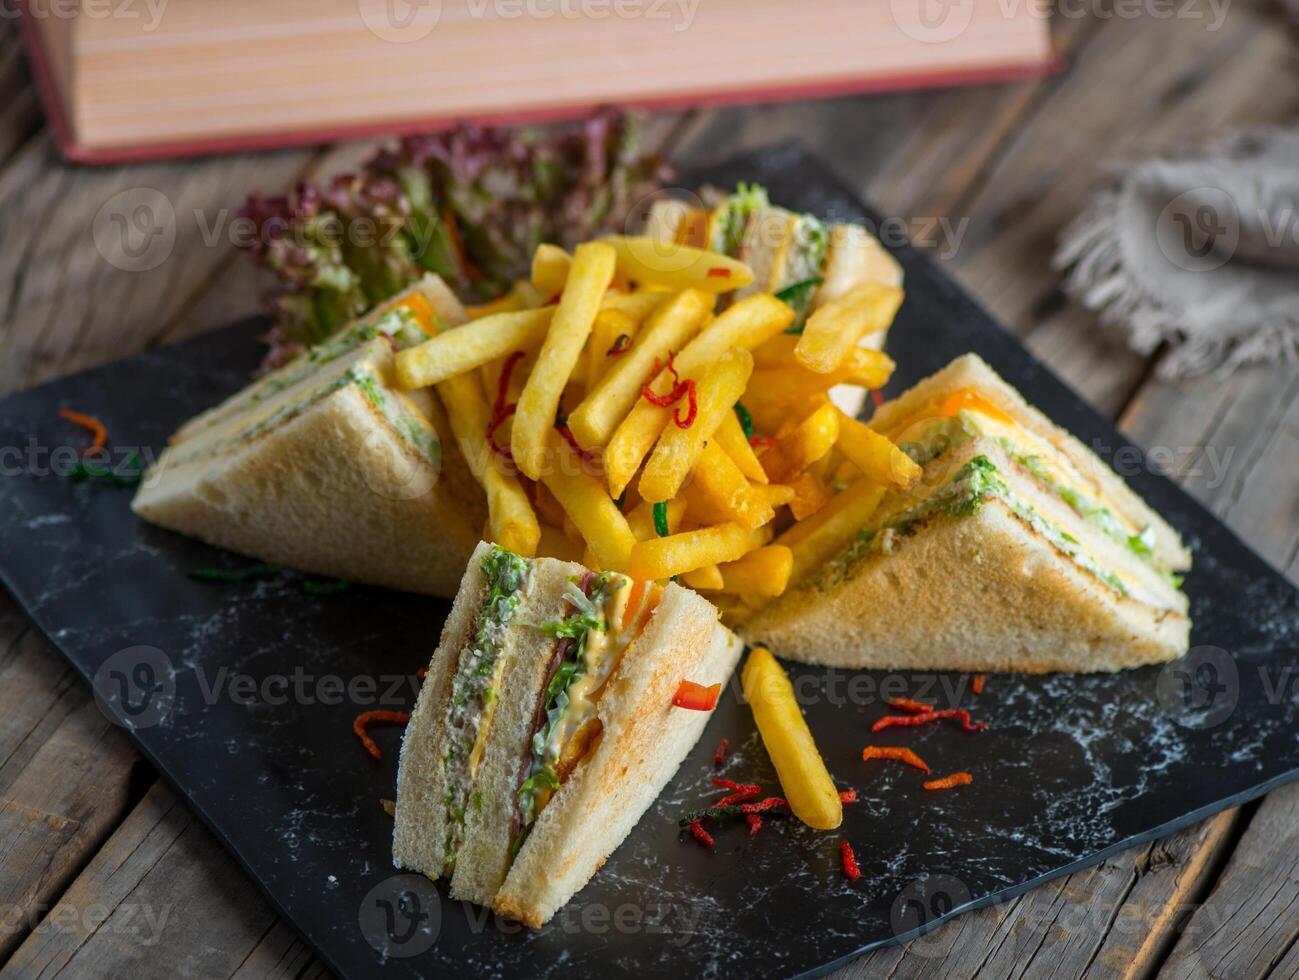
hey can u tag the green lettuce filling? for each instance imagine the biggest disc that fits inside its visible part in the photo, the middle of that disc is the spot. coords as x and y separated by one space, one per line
977 482
734 217
505 574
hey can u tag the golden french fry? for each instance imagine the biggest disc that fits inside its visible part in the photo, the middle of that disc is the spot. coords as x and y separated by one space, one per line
641 518
646 261
724 487
534 420
730 436
700 509
589 507
743 326
511 519
470 346
660 558
808 442
810 495
762 573
668 329
707 578
806 782
550 267
834 329
638 305
819 538
878 459
792 385
778 352
776 494
734 612
611 329
554 543
678 448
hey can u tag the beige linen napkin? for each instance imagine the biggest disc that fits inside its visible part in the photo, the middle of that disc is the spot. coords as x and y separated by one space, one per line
1200 253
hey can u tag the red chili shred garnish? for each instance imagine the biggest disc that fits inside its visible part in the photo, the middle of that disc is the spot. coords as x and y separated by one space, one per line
876 397
720 755
848 796
755 823
757 442
701 835
762 806
976 685
906 704
680 389
950 782
621 343
909 721
569 438
96 428
368 718
850 869
740 792
500 410
719 272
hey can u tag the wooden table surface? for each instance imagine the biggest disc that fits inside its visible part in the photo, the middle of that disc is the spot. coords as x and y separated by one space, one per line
104 872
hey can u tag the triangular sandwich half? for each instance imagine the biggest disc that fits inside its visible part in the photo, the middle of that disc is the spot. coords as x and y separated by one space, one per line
1018 550
546 726
326 467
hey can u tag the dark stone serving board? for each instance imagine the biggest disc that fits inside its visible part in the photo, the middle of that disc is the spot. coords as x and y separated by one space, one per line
1070 769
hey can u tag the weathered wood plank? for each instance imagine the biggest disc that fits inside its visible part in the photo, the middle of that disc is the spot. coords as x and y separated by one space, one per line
64 776
160 899
1250 921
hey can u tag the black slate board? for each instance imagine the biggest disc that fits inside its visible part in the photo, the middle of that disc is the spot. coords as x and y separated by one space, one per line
1071 769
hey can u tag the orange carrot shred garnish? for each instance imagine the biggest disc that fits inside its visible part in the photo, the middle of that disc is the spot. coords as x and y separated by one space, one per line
367 718
906 704
91 424
950 782
976 685
896 754
848 796
634 598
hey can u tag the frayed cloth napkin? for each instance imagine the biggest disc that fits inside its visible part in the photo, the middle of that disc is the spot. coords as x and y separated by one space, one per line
1199 252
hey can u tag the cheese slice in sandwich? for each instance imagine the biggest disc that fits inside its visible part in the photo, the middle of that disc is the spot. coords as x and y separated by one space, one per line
326 467
804 261
545 727
1018 550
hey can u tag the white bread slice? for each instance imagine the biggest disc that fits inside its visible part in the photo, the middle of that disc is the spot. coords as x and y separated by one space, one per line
1169 553
484 856
768 236
334 490
644 741
419 833
664 218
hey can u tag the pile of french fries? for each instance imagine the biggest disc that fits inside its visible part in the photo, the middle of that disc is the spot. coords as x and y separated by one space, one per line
623 408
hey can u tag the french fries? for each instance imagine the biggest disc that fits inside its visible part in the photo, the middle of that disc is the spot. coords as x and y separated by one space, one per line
730 436
550 266
589 507
726 491
511 519
809 441
810 495
834 329
641 518
861 367
808 788
611 329
470 346
879 459
593 267
668 329
762 573
707 579
678 447
686 551
745 325
648 261
817 539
